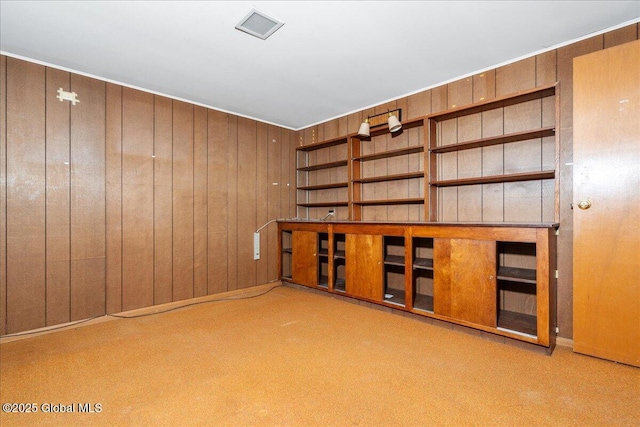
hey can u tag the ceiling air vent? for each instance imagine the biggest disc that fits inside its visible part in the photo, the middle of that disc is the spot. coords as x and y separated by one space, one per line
258 24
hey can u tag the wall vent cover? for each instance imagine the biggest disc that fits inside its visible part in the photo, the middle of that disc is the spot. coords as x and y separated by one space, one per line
259 24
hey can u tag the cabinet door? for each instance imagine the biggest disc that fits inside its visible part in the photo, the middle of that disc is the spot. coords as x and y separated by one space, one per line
304 258
464 280
363 267
606 213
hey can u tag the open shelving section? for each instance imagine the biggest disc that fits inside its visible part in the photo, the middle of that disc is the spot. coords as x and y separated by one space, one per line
479 162
497 278
322 176
510 139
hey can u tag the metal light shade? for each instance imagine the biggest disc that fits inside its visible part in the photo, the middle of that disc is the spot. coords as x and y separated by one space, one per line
364 129
394 123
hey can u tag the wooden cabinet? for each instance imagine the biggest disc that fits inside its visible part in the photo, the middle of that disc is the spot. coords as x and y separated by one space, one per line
495 278
304 258
465 282
364 268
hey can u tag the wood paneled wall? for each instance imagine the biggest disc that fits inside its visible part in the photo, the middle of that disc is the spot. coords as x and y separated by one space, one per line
128 199
545 68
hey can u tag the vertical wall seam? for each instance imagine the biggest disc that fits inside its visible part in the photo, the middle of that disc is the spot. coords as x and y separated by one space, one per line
172 196
121 198
193 200
46 69
153 201
70 270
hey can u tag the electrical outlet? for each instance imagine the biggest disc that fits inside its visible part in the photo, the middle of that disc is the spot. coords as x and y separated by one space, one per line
332 212
256 246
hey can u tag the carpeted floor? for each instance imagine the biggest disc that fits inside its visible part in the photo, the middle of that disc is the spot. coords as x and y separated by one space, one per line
294 358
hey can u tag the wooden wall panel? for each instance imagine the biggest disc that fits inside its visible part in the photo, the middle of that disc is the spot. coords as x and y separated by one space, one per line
3 195
162 200
113 188
218 198
200 204
233 208
183 236
137 199
87 199
26 245
264 181
119 192
274 208
621 35
58 199
246 190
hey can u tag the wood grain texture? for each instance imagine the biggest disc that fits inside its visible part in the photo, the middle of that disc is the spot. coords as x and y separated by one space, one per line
246 190
183 201
363 267
26 181
58 199
3 195
565 57
470 280
218 198
232 204
137 199
304 257
606 242
200 203
264 185
274 184
162 200
88 200
113 194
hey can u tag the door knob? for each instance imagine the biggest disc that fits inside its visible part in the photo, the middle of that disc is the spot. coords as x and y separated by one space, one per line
584 204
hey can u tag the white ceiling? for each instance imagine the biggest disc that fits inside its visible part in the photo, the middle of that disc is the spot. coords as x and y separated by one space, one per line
329 59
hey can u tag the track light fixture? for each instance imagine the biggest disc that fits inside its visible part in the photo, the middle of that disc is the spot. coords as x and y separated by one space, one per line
391 118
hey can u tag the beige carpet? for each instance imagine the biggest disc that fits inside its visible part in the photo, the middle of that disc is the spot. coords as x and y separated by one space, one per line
294 358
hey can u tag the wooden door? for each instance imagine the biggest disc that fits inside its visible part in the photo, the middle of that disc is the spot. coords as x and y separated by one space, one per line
363 266
304 258
606 209
464 280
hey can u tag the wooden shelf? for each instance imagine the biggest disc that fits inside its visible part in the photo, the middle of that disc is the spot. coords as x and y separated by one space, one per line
410 175
323 144
512 274
323 166
391 153
324 186
423 302
517 322
339 254
397 297
415 201
496 140
423 263
504 101
323 204
515 177
406 124
394 260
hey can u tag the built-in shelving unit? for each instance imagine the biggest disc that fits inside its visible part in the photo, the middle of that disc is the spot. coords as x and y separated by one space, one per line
322 176
495 278
481 158
526 118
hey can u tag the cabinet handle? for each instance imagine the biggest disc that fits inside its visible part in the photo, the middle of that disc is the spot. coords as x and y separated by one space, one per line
585 204
490 277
